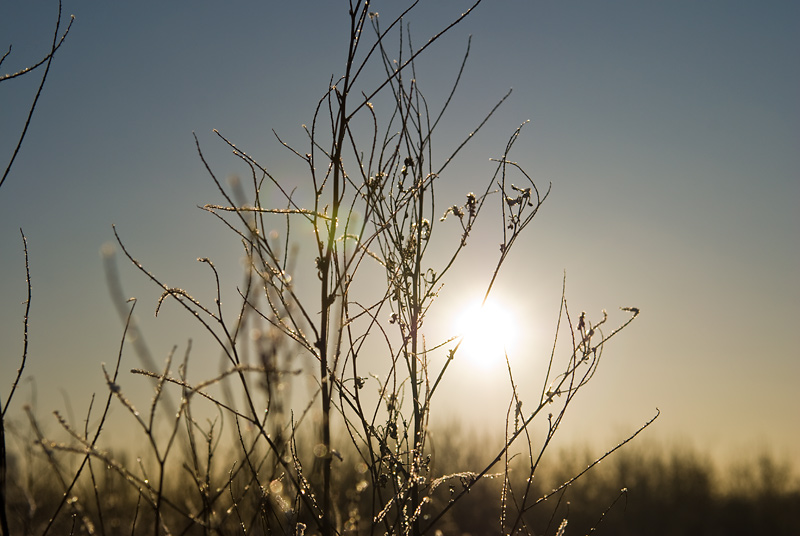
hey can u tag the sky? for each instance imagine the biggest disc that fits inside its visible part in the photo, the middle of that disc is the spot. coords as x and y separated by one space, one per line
669 132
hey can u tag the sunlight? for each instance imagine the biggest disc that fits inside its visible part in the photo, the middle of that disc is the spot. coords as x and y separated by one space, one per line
489 332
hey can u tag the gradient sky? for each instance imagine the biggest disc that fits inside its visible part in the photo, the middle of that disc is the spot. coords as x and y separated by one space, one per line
669 130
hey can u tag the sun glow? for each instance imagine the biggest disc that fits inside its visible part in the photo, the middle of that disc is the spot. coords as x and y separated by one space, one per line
488 332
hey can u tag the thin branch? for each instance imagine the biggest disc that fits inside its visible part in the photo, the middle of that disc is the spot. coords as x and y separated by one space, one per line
48 59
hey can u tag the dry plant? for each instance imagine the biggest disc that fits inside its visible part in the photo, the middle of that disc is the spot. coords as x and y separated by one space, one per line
353 456
45 61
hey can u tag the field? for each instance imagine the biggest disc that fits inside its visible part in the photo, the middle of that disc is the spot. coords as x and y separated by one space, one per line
318 415
643 489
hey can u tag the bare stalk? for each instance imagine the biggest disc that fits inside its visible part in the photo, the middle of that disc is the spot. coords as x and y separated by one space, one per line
4 406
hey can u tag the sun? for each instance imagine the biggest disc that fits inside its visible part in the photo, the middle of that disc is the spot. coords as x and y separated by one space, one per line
488 331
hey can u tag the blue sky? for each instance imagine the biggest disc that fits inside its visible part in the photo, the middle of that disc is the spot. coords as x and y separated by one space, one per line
668 130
